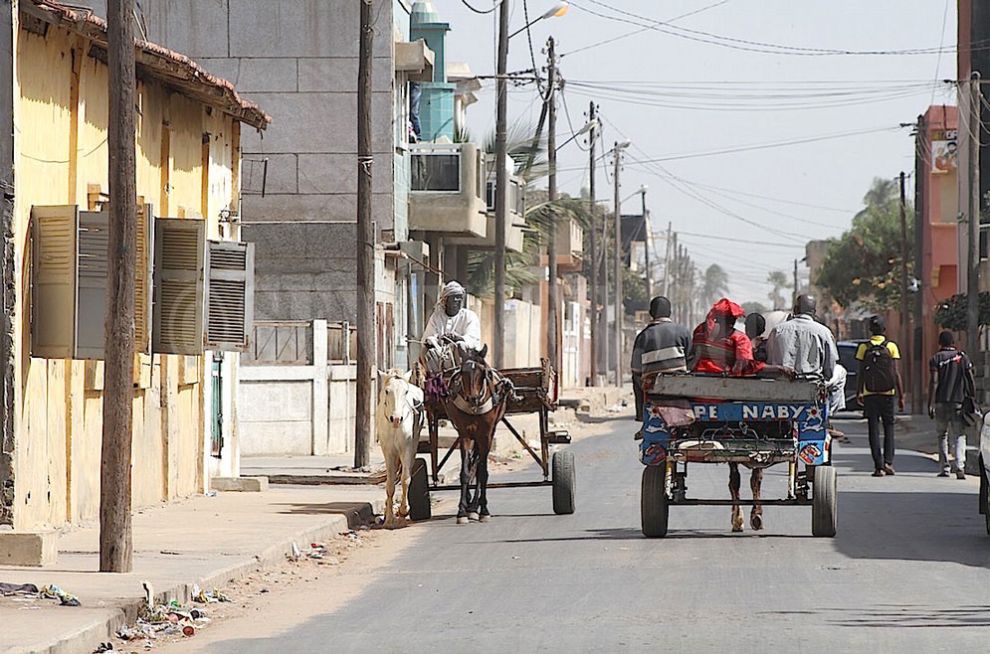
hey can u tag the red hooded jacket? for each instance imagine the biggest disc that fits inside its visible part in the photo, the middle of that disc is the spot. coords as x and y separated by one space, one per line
717 353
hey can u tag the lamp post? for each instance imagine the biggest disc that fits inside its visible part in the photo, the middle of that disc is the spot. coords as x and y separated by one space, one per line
501 172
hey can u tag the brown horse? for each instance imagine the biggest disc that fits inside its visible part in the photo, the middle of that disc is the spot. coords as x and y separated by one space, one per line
476 404
755 484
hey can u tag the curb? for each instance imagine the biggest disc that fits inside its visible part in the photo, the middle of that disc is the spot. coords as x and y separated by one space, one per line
86 639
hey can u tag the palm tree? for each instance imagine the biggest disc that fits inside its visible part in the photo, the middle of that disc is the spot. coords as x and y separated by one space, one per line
714 284
778 282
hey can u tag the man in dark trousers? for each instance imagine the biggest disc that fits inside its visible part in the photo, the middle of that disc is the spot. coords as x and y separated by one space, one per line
663 347
878 385
951 386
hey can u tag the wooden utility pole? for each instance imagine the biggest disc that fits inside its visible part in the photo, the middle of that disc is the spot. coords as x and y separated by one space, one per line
618 303
973 221
674 273
906 340
648 243
593 242
552 299
794 295
116 544
666 260
365 247
501 182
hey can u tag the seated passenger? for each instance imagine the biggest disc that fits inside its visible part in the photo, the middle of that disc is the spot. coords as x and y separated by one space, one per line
719 347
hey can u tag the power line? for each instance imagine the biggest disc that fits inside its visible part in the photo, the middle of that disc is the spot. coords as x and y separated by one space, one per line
482 11
746 44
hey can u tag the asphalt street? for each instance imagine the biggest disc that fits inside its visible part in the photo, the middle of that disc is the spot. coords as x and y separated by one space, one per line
909 571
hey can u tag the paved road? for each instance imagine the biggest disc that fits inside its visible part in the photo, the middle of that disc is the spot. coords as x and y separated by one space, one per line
909 571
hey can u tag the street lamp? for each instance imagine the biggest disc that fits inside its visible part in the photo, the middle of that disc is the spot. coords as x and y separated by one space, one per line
501 175
591 124
558 10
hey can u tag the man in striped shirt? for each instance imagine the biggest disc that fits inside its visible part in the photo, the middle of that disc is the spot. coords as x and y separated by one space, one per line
663 347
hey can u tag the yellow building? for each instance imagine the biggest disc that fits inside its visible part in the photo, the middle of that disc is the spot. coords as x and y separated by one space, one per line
194 279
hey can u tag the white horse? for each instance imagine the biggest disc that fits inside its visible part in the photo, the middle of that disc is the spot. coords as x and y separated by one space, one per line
399 421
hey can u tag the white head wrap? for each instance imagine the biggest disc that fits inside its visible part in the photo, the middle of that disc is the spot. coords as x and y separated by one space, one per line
451 288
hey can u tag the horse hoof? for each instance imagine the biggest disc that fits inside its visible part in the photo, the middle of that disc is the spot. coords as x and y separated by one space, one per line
473 515
462 520
484 518
737 529
756 522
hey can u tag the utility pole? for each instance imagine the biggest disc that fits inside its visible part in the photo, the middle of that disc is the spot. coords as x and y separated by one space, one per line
618 303
501 183
920 171
794 295
552 353
674 273
116 543
648 243
593 242
666 260
973 218
365 247
905 315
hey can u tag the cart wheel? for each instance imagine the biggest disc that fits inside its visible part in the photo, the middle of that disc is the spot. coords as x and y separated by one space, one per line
653 507
984 495
562 466
419 492
824 505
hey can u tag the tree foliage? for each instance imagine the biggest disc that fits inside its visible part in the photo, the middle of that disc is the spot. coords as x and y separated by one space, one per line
863 265
714 284
951 314
779 282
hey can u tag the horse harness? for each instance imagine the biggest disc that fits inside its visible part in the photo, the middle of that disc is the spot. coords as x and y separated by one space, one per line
497 390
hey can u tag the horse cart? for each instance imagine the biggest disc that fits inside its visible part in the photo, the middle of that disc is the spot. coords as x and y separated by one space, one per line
536 392
753 422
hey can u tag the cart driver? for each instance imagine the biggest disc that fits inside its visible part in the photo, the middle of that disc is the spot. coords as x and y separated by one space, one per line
452 319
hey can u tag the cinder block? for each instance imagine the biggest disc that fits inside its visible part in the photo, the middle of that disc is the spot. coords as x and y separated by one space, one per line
239 484
28 548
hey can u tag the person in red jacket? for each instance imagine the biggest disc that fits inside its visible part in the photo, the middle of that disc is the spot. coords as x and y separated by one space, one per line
720 348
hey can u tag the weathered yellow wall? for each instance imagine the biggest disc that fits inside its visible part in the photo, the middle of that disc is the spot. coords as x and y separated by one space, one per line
59 408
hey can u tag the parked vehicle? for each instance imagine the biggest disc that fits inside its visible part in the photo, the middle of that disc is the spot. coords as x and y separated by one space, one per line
985 471
847 357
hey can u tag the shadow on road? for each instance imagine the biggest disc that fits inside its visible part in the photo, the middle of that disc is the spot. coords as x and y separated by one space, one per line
908 616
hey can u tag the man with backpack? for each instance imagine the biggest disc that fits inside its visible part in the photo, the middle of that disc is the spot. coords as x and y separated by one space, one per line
951 401
879 384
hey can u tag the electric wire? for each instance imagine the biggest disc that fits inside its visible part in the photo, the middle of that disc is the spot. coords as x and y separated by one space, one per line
482 11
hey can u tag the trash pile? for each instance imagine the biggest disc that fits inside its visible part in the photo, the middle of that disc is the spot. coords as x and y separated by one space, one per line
30 591
158 620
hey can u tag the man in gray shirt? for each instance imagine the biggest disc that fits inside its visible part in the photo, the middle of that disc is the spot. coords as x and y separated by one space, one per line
803 344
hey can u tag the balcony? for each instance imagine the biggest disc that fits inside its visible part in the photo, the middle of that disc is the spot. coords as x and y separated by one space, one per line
570 245
446 189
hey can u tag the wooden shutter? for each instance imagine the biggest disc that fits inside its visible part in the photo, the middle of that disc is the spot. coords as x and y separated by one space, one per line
177 308
91 290
53 280
144 256
229 295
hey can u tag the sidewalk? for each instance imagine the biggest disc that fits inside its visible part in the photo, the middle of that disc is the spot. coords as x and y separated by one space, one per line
203 540
917 432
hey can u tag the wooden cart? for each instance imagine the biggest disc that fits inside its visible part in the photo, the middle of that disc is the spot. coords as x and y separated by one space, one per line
537 393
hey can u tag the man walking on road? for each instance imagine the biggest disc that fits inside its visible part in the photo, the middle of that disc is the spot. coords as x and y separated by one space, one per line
879 384
950 387
662 347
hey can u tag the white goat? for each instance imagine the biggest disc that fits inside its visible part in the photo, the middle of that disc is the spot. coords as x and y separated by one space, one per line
399 421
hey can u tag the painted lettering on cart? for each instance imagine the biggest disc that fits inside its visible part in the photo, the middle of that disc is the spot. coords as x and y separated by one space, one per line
731 411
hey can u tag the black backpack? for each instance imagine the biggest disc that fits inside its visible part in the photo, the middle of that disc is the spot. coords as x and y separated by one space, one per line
878 369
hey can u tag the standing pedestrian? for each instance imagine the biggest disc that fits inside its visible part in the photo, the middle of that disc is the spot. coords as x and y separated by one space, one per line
663 347
879 384
951 397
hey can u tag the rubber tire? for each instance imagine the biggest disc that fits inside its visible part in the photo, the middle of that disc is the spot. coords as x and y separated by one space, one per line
825 503
419 492
654 510
564 482
984 495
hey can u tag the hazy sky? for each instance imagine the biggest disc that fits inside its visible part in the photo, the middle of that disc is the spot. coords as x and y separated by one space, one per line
668 95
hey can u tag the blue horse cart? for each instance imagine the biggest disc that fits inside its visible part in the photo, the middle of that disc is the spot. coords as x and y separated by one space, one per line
753 422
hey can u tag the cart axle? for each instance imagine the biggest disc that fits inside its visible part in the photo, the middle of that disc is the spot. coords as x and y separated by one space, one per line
723 502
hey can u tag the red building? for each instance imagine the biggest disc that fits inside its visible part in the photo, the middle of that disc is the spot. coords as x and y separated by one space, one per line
938 202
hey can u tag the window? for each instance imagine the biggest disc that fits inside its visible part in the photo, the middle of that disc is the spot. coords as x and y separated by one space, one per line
516 199
204 290
436 172
69 270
